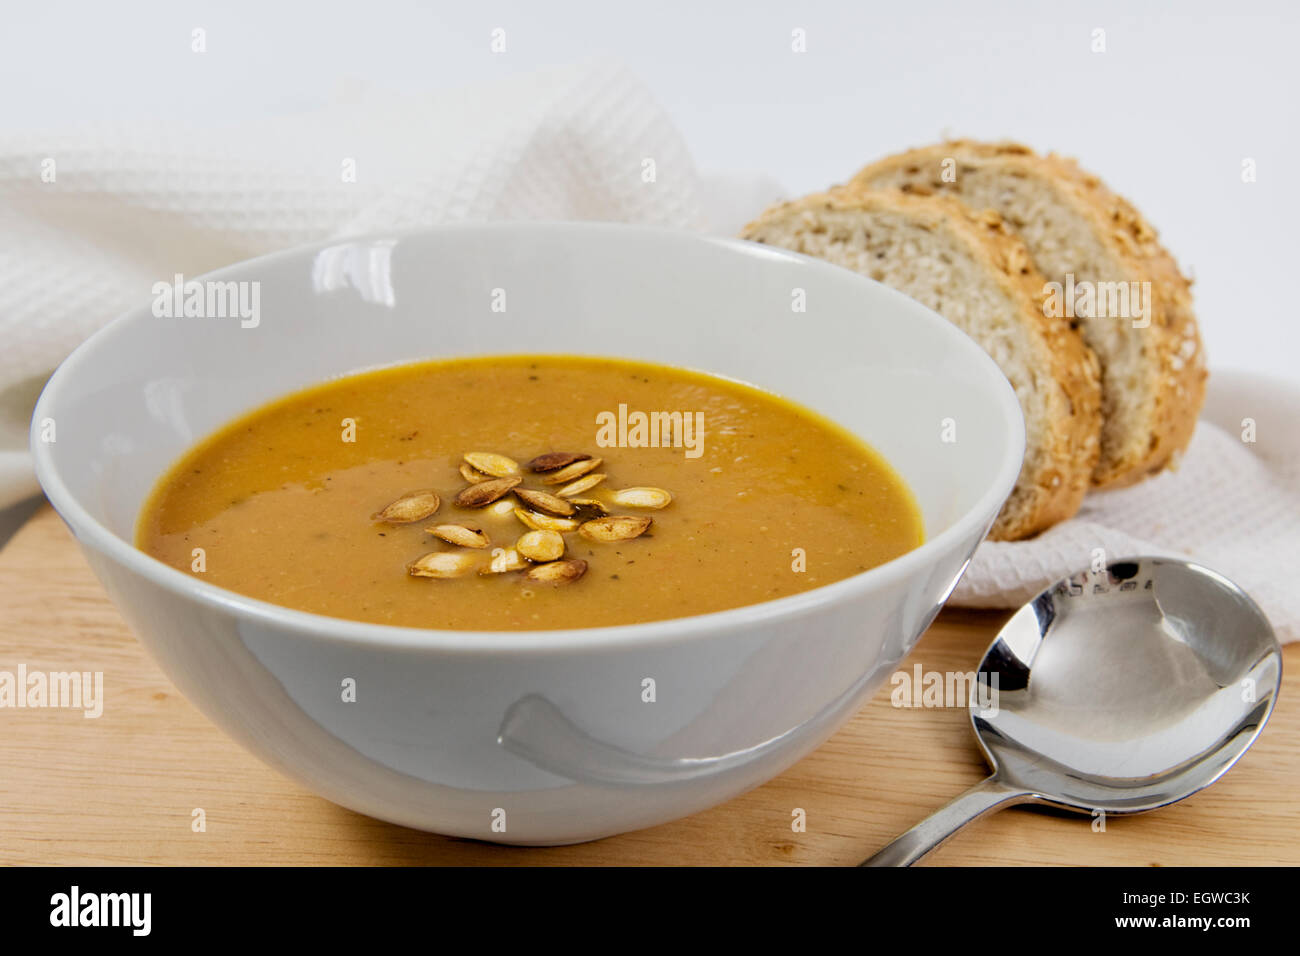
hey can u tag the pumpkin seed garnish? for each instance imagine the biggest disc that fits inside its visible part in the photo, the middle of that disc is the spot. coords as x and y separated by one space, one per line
503 561
540 522
489 479
615 528
586 483
553 460
498 466
440 564
486 492
558 572
642 498
415 506
540 545
570 472
459 534
545 502
472 475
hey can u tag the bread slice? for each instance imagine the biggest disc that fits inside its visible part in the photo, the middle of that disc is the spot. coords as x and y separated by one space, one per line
1086 238
972 271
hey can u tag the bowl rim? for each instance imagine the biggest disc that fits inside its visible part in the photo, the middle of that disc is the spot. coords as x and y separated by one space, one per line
90 532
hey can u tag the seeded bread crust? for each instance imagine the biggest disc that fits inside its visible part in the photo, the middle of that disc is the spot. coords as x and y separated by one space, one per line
1069 443
1174 366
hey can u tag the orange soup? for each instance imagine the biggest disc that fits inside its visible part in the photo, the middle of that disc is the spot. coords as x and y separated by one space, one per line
527 493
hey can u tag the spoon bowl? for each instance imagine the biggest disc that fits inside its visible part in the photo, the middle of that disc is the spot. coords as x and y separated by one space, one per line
1114 691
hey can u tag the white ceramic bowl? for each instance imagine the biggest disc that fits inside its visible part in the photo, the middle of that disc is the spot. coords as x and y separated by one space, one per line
545 732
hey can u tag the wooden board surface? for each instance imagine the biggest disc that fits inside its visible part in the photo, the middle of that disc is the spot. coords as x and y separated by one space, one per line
121 789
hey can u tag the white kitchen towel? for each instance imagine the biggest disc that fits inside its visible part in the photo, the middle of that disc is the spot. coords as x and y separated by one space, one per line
90 220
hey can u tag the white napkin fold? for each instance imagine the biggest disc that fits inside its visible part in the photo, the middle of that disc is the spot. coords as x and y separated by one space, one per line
125 208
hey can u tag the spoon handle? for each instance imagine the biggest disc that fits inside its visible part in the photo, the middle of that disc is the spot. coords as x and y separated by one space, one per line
988 795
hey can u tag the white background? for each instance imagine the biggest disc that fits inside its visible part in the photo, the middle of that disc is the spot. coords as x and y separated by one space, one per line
1183 93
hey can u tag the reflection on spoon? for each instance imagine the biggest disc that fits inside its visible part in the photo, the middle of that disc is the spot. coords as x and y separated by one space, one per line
1119 692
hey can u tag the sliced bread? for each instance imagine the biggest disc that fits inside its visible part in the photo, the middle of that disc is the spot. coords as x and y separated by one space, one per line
972 271
1114 281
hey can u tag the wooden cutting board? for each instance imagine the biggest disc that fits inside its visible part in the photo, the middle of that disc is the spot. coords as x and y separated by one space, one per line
121 789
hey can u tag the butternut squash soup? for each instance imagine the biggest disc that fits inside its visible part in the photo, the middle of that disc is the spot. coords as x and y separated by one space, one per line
527 493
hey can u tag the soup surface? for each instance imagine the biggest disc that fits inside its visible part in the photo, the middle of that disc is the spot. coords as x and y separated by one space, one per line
764 499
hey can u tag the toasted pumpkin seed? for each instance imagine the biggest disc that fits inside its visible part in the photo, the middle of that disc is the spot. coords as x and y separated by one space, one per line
502 507
615 528
473 475
540 545
440 564
642 498
459 534
591 505
498 466
540 522
504 560
529 518
486 492
545 502
585 483
553 460
558 572
415 506
570 472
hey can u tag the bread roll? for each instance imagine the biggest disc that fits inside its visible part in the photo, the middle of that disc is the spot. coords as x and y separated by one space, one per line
973 272
1133 306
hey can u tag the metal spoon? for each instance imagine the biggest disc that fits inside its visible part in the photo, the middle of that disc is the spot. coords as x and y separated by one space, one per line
1114 692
